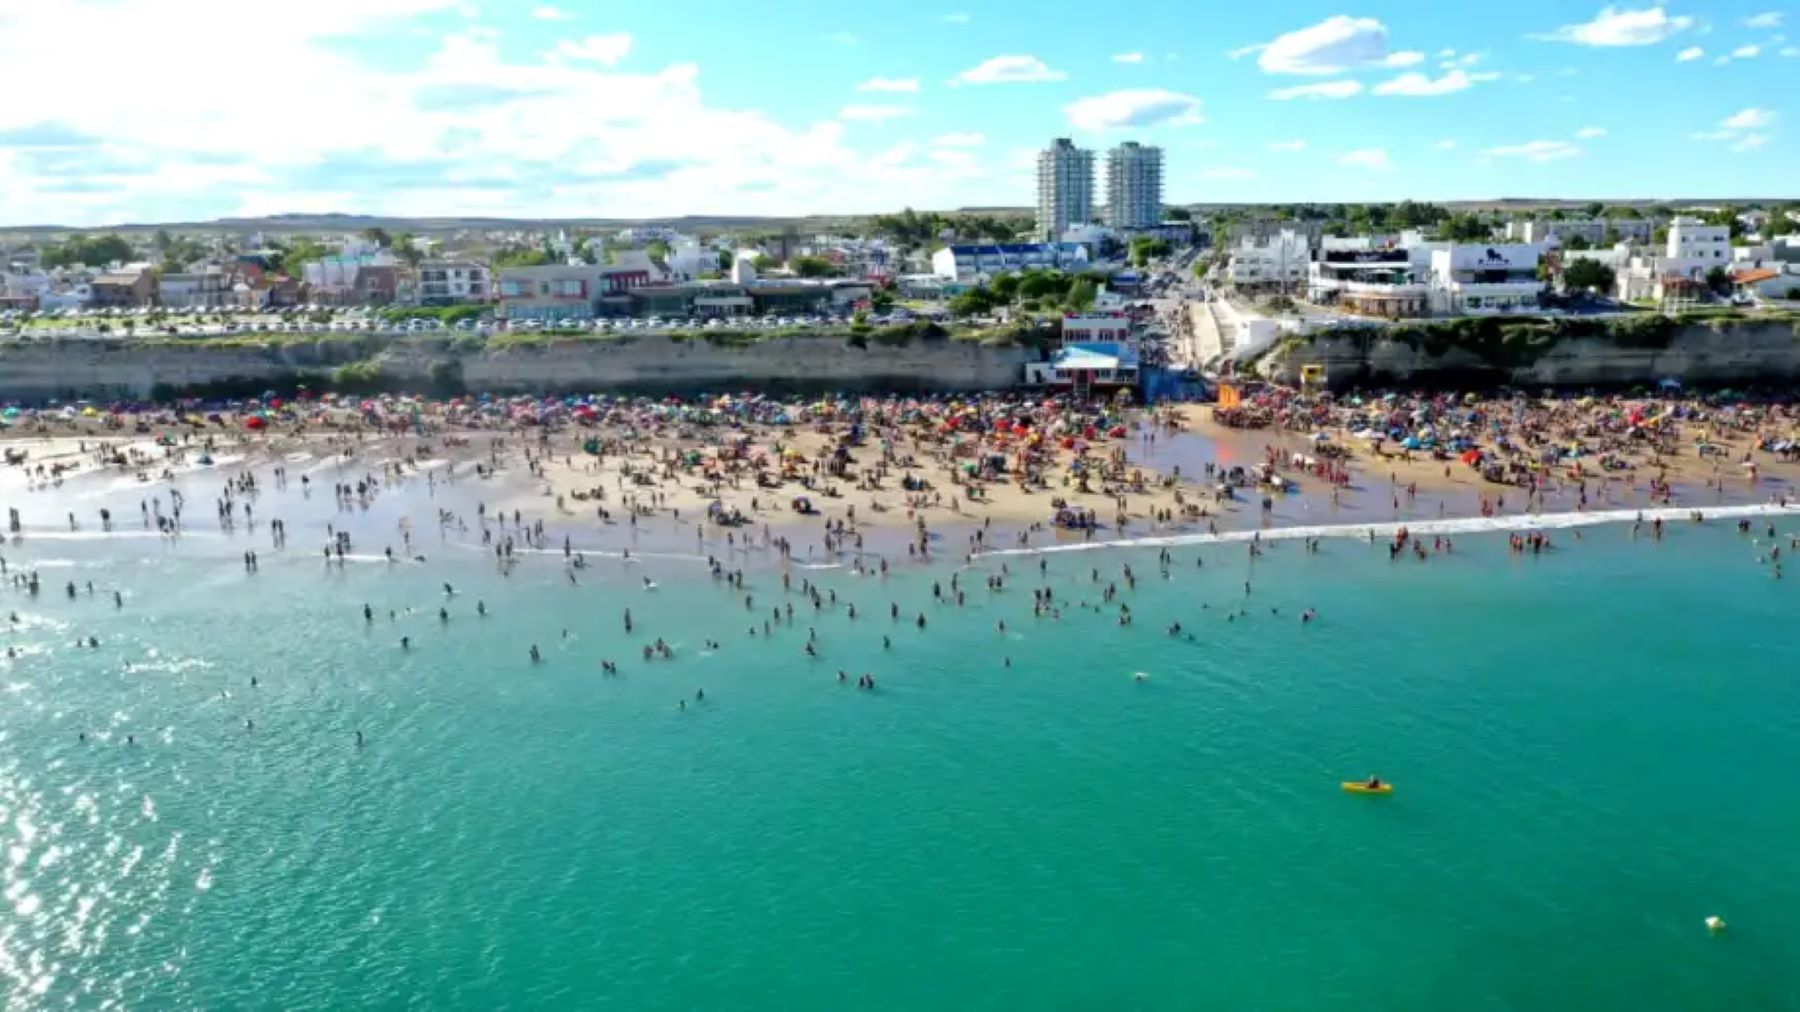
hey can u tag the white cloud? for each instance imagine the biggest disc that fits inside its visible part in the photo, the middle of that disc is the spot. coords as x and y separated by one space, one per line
1767 19
1228 173
1445 145
1404 58
606 50
1373 159
1746 52
1287 145
843 38
1589 133
1615 27
459 129
1750 142
959 140
1536 151
1749 119
1134 107
1690 54
958 18
1128 58
1243 51
1010 70
891 84
1713 135
1790 51
1421 85
1332 46
874 113
549 13
1325 89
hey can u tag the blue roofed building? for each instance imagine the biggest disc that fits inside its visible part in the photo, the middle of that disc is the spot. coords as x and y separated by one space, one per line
975 262
1099 353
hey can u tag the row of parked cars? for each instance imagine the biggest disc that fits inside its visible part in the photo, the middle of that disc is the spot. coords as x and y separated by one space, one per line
319 319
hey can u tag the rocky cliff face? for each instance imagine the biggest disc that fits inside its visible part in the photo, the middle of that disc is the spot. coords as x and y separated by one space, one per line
658 364
39 370
1718 353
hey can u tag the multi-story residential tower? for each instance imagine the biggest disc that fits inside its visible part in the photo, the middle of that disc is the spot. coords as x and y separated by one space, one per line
1065 188
1134 175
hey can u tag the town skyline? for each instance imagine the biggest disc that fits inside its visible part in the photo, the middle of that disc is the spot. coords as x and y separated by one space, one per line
544 112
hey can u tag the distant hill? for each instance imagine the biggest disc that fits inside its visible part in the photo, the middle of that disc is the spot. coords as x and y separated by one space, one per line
331 223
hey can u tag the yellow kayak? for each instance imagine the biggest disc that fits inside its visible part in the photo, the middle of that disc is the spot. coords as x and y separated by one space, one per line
1360 787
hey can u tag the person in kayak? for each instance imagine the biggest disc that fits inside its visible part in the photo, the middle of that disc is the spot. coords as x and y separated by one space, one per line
1373 783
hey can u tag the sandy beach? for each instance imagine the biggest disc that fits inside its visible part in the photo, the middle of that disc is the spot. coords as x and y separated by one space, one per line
880 475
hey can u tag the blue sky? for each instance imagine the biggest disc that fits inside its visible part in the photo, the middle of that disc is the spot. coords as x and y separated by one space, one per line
580 108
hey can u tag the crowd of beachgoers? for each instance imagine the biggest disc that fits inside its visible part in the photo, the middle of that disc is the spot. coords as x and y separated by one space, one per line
756 484
1091 468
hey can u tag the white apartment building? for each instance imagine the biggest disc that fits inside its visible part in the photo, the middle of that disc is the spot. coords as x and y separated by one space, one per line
1065 188
1694 242
453 282
208 287
1134 183
688 259
1098 326
1593 231
1383 276
1693 249
1481 278
977 262
1279 259
23 286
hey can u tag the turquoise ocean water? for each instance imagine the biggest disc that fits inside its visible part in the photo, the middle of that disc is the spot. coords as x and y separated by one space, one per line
1594 750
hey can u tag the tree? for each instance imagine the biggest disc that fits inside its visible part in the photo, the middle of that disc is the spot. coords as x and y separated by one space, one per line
1718 280
1081 294
1040 284
1464 228
1594 208
725 262
659 252
408 249
1144 249
288 259
763 262
974 302
881 300
1727 216
1577 242
812 267
378 236
1410 214
521 256
94 251
1177 214
1587 274
1006 287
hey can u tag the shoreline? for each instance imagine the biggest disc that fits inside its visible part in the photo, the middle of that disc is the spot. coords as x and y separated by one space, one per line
1446 525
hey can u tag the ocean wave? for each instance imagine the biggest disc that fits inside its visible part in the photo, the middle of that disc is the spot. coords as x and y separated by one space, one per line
1387 529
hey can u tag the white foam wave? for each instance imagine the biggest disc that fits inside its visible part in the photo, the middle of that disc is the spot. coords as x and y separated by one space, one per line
1387 529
